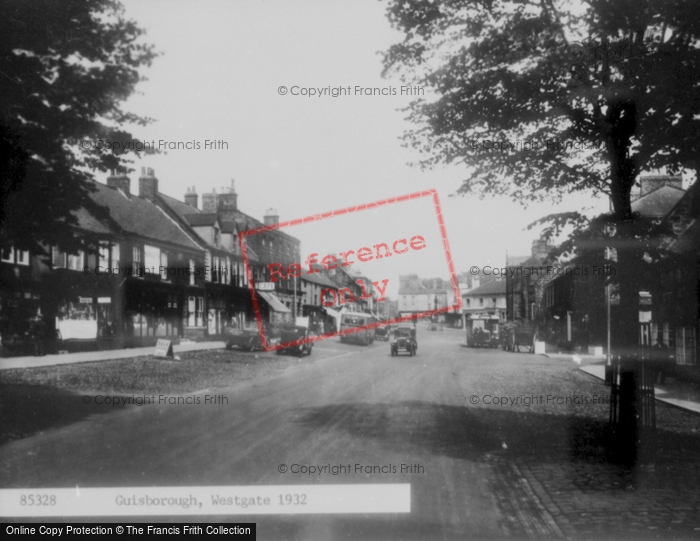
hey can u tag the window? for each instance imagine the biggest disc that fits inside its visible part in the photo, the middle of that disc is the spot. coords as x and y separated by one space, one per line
8 255
215 271
195 311
163 266
217 237
103 260
19 257
151 257
469 302
136 258
191 316
191 272
58 258
75 262
207 266
481 302
493 299
200 311
115 255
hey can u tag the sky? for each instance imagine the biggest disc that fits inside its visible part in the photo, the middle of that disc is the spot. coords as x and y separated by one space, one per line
218 79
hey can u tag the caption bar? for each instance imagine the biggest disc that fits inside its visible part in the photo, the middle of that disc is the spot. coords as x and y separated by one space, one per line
242 530
244 500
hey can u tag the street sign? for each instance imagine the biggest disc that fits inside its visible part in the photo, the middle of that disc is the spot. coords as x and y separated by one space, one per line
85 300
265 286
164 348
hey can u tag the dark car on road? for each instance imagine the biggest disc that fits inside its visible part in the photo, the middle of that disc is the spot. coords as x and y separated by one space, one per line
403 340
247 338
292 333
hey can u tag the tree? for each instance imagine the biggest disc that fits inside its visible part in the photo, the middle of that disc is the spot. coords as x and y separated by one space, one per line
65 69
542 98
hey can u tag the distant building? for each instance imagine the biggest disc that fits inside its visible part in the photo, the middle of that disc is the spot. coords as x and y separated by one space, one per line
487 299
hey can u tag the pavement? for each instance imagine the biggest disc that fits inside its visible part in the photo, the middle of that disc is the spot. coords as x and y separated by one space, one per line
10 363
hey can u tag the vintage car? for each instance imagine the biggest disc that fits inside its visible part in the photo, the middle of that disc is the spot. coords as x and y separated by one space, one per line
292 333
383 332
247 338
404 340
482 331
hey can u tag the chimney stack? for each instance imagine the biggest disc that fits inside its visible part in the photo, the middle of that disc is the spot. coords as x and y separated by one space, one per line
228 199
271 217
121 181
148 184
209 201
191 197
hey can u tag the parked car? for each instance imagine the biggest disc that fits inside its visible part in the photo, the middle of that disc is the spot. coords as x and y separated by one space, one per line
482 331
404 340
247 338
292 333
383 332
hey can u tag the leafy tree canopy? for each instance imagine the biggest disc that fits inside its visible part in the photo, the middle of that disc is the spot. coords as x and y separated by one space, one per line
607 88
65 69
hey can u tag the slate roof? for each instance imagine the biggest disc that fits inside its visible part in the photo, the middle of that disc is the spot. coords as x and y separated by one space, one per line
141 217
200 219
318 279
494 287
659 202
88 222
196 217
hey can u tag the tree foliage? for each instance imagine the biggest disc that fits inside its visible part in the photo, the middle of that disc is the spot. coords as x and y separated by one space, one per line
607 88
65 70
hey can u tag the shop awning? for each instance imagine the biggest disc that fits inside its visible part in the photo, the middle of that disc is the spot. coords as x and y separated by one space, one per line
274 302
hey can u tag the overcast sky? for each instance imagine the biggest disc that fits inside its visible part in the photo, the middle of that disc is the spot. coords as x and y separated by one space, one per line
218 79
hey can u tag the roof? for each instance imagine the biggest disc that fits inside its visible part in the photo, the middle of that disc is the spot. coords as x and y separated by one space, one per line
141 217
228 227
494 287
178 206
88 222
200 219
659 202
319 279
